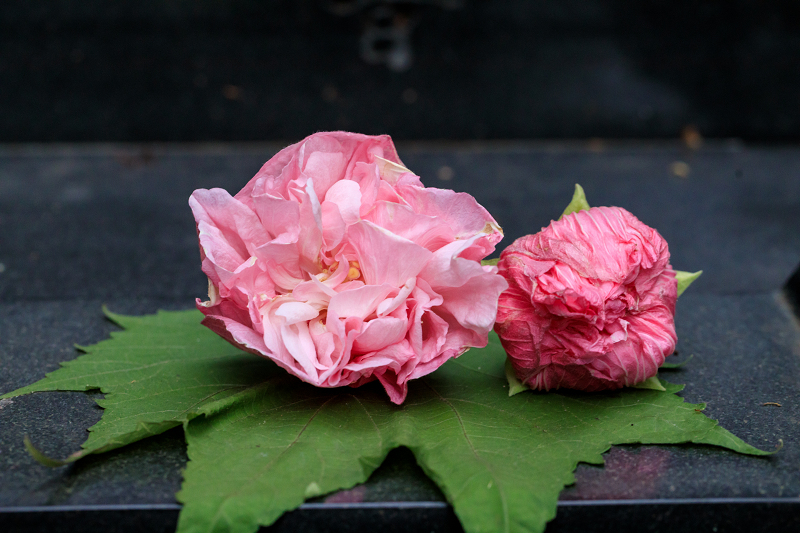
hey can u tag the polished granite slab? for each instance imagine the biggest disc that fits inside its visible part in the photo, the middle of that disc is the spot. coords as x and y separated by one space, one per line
82 226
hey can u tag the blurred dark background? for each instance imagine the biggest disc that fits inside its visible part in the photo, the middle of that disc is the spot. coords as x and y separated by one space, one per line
190 70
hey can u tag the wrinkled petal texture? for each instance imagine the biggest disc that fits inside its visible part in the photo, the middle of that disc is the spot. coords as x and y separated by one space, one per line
590 304
336 263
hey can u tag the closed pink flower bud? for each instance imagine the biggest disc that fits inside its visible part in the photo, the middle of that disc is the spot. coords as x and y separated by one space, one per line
336 263
590 303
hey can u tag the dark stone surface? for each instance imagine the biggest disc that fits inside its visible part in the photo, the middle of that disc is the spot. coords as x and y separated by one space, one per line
252 70
110 225
113 222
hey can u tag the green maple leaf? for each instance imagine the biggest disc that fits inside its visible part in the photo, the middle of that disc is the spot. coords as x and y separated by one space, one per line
267 441
500 461
158 373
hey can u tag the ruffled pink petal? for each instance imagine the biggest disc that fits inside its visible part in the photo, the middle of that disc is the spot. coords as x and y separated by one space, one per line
279 217
333 225
378 251
360 302
457 210
447 269
346 197
397 391
310 240
325 169
239 226
272 178
400 219
294 312
379 333
474 304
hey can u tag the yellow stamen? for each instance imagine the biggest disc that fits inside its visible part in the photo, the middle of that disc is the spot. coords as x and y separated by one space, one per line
353 273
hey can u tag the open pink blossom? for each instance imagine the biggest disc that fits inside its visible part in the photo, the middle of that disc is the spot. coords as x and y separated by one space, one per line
336 263
590 303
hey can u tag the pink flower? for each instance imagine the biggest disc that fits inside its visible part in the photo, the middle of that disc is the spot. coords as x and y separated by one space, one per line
590 303
336 263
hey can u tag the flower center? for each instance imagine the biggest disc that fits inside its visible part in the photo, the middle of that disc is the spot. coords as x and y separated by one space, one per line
354 272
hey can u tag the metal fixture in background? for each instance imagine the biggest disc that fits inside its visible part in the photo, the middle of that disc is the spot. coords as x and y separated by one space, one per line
387 27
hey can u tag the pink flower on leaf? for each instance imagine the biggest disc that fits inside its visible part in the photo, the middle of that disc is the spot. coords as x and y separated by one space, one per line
336 263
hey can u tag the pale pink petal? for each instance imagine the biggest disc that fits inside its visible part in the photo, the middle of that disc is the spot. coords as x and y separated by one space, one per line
447 269
390 304
474 304
400 219
427 331
457 210
378 252
360 302
325 169
324 343
389 170
314 292
310 240
220 255
295 312
379 333
236 333
300 346
279 217
346 196
238 224
281 263
333 225
397 391
366 175
272 178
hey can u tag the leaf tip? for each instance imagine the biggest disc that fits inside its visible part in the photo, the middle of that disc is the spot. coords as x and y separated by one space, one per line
44 459
312 490
113 317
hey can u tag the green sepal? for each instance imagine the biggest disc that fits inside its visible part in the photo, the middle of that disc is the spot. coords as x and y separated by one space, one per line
490 262
651 383
515 386
669 366
578 202
685 279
